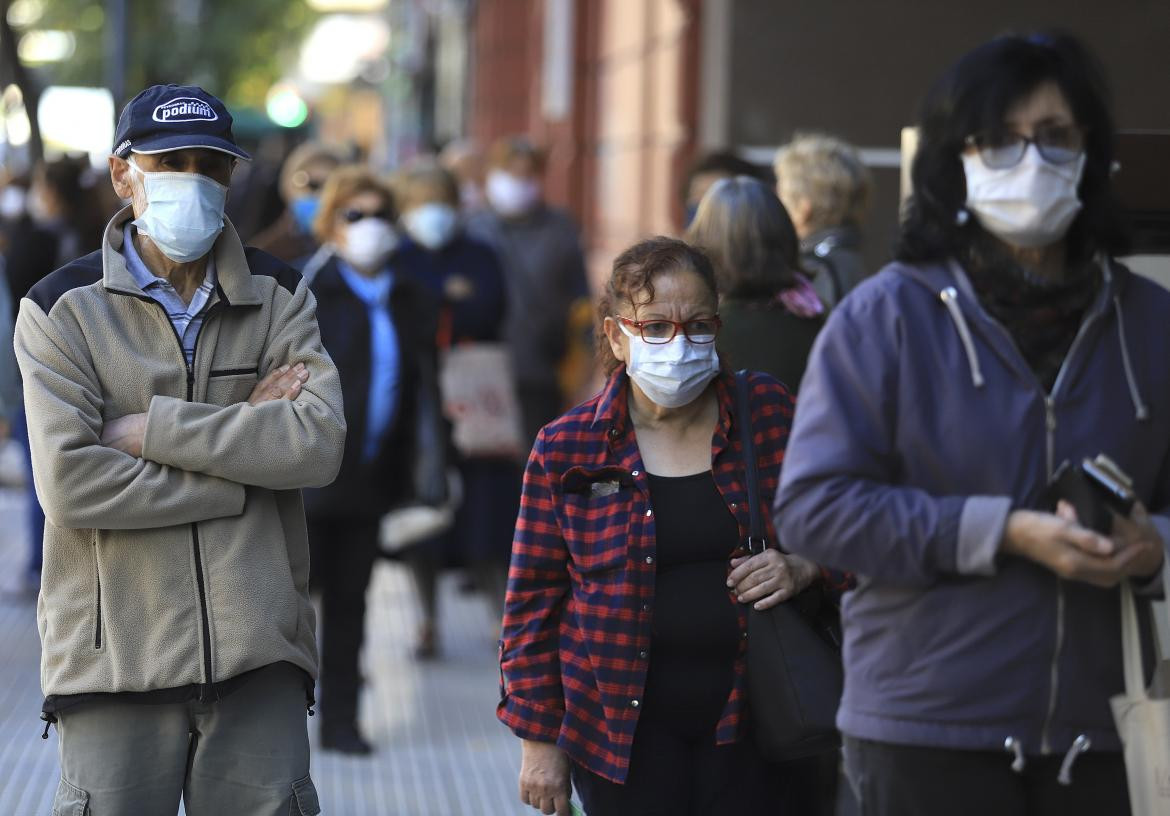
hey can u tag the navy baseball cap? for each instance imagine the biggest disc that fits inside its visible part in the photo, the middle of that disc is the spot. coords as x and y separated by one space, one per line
174 117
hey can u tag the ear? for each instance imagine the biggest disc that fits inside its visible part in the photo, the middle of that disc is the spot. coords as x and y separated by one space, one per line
618 341
120 177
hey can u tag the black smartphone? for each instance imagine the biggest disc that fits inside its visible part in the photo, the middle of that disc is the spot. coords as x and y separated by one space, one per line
1097 489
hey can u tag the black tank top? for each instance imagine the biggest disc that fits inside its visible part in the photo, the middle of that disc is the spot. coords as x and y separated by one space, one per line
695 636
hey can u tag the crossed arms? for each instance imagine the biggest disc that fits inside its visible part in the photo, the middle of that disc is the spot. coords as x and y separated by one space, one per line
180 461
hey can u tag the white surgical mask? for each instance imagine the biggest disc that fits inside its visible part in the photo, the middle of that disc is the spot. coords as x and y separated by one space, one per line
369 242
12 201
511 196
184 213
432 225
1031 204
671 374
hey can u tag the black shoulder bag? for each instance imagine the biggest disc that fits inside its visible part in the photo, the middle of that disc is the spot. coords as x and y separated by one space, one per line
794 649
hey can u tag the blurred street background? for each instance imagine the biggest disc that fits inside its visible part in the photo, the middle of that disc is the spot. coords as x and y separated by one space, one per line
620 96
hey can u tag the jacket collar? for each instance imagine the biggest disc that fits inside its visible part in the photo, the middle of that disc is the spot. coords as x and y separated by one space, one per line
235 285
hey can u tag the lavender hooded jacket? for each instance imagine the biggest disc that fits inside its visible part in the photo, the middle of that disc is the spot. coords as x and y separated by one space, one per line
919 428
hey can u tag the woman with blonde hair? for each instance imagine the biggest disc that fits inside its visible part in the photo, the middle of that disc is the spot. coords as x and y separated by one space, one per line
825 186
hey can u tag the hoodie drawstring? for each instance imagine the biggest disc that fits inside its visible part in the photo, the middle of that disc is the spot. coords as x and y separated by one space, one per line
1080 745
1139 405
950 298
1014 746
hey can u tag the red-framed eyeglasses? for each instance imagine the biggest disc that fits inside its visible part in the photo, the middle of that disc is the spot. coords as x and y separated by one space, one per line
659 332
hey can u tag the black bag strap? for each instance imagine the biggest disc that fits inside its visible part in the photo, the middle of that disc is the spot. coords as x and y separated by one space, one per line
757 542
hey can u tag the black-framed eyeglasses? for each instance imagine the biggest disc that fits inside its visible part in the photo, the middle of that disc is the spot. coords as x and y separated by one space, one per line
1001 149
659 332
353 215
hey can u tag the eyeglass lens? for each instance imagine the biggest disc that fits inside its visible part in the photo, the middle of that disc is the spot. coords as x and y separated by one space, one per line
663 331
1057 144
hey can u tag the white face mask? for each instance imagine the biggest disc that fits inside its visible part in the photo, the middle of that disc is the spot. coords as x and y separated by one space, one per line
12 201
184 213
431 225
1031 204
671 374
369 242
511 196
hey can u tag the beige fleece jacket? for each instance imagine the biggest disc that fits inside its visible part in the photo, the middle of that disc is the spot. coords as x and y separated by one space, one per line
189 565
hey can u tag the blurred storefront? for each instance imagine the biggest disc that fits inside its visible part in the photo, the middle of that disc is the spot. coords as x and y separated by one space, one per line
624 93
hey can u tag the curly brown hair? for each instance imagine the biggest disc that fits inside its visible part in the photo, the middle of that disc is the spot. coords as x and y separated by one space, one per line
633 275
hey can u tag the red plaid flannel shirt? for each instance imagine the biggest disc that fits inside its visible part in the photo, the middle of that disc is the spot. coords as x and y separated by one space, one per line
576 634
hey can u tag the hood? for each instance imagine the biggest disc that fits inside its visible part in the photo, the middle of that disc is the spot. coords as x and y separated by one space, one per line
950 284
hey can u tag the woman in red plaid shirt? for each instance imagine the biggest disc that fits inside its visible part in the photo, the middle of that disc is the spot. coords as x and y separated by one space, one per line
622 658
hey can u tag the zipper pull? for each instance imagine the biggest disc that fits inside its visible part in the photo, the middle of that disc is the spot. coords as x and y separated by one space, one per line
1050 413
207 693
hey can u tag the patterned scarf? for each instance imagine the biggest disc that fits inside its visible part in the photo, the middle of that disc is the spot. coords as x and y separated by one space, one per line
1043 316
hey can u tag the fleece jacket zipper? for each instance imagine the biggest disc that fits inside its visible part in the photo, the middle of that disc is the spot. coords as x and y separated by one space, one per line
207 687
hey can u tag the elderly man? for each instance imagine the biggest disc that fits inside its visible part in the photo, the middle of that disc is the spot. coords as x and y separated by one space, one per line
178 650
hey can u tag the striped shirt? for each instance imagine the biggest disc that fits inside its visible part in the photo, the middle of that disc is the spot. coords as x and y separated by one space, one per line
186 318
579 608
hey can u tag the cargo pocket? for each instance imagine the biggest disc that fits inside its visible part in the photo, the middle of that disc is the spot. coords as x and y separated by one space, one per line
70 801
305 802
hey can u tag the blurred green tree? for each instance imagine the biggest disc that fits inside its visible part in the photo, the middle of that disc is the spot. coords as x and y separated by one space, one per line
234 48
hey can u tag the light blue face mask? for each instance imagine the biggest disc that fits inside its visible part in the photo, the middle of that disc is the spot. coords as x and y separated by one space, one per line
432 225
304 210
184 213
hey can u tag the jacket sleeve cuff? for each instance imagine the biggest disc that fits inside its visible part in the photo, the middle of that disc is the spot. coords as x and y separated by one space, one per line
155 439
981 527
1153 587
529 720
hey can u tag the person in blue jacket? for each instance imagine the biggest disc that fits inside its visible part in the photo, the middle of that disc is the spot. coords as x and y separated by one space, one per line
378 326
982 643
464 276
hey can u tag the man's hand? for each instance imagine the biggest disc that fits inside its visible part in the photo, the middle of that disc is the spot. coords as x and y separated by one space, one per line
1071 551
770 577
280 383
544 777
125 434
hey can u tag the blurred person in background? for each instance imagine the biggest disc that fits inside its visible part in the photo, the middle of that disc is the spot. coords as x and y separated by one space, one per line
709 168
623 659
62 219
771 313
464 159
544 267
302 176
379 326
464 276
983 642
825 187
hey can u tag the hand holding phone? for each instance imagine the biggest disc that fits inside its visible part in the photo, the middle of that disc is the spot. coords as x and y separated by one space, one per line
1097 489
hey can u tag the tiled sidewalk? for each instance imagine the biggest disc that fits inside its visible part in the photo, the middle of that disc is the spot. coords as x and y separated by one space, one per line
440 749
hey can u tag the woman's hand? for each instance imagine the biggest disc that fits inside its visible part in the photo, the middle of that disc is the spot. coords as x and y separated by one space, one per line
1074 552
544 777
770 577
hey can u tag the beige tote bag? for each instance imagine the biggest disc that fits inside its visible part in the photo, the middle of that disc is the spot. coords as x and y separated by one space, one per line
1143 717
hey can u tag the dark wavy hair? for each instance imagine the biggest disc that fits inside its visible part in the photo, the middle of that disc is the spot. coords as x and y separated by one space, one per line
975 95
632 281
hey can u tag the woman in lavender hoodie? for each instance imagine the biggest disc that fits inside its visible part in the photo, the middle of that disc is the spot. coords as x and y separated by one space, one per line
982 642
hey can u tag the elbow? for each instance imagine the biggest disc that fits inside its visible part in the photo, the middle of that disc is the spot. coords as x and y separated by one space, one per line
325 458
65 515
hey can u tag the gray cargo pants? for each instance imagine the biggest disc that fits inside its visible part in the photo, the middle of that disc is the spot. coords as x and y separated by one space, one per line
247 753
